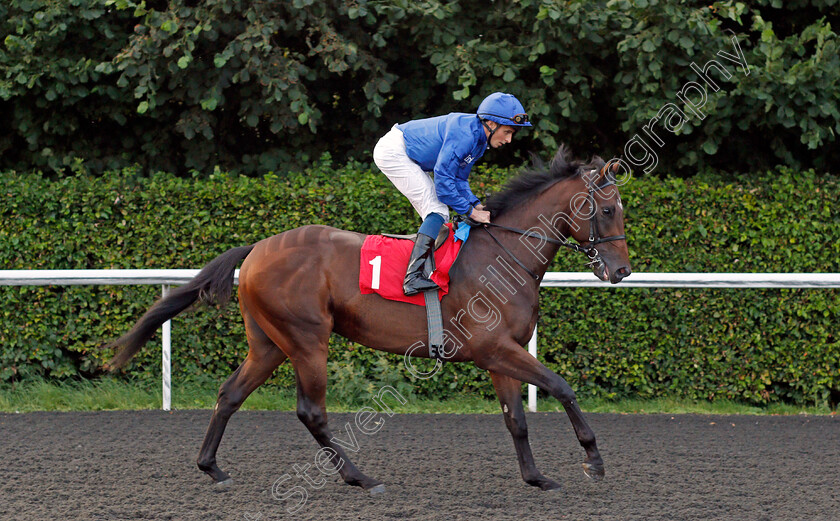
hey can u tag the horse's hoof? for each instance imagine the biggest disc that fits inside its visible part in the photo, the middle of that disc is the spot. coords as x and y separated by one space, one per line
222 485
551 486
378 489
594 472
546 484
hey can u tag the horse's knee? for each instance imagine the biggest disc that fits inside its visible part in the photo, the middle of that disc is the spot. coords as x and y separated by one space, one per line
229 400
311 416
568 395
562 391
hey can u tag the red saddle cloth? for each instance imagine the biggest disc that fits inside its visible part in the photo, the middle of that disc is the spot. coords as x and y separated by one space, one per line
385 259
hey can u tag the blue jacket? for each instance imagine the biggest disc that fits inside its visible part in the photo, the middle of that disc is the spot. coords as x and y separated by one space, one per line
448 146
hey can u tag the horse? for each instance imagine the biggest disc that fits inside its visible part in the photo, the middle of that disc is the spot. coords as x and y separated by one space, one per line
299 286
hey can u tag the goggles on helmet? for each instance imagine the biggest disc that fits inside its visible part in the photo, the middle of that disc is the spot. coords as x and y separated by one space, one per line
519 119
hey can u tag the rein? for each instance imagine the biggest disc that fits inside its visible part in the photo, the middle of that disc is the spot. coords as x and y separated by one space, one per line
589 250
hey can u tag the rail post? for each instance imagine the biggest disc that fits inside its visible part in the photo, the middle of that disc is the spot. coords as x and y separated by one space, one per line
166 359
532 389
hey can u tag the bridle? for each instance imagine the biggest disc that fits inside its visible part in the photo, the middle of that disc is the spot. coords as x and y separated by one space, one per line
589 249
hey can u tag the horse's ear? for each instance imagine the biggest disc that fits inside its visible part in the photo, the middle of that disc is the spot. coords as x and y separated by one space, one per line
611 168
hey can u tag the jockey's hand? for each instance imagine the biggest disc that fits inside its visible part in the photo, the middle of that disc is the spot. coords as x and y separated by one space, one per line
481 216
479 206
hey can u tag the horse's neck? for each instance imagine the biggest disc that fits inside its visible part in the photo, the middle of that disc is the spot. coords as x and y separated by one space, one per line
549 214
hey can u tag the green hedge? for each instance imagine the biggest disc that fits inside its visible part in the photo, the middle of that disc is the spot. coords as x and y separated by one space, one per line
753 345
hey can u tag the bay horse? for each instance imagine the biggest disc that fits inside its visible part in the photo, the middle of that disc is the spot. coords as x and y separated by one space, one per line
297 287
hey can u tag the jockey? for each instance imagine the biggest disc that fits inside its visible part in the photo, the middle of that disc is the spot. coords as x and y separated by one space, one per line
448 146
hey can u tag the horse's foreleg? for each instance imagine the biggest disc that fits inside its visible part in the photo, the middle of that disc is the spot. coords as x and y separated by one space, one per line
513 361
263 358
509 392
311 374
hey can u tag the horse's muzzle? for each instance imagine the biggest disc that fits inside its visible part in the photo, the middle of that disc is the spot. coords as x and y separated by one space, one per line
619 274
605 274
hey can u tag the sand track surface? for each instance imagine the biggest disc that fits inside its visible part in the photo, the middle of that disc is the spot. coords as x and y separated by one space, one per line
141 465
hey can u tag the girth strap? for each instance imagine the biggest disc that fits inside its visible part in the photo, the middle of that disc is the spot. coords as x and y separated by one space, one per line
435 319
434 316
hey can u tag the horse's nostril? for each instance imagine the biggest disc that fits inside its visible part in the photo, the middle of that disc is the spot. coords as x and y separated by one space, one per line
623 272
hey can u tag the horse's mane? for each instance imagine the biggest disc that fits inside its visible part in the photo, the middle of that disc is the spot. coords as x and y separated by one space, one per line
537 178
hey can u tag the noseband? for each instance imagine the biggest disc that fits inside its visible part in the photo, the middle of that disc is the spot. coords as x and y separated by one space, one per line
589 250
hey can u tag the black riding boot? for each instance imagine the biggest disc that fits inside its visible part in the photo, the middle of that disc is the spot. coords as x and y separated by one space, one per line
415 280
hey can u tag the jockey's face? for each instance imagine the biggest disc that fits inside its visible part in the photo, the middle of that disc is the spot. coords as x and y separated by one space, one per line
502 136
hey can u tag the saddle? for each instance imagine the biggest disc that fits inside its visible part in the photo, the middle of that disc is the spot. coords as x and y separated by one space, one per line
443 234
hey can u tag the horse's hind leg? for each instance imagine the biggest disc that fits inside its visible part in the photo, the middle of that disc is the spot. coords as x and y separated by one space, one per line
513 361
263 358
311 373
509 392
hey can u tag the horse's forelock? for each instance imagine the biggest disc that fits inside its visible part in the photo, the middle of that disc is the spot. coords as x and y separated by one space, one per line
597 163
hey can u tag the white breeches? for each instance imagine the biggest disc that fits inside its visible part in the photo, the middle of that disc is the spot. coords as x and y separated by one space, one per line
390 156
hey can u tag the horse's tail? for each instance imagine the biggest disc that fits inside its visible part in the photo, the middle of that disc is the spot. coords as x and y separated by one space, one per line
213 284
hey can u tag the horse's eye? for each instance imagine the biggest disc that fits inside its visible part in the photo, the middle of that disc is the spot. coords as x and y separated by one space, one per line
607 211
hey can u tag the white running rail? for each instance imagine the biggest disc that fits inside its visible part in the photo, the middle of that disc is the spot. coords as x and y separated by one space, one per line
551 280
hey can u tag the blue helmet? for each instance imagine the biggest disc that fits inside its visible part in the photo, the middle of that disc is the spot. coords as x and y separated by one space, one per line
504 109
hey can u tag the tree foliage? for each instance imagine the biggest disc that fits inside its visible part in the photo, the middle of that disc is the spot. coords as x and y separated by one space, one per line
257 86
